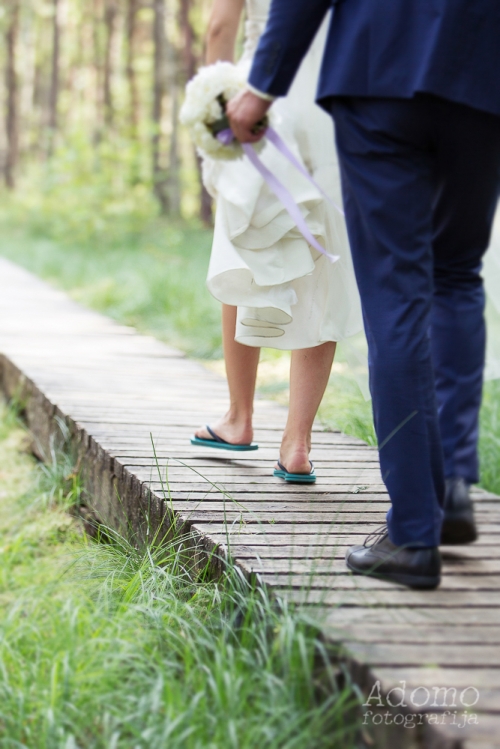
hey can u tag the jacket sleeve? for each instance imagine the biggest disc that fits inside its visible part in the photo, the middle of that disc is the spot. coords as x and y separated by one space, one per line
290 30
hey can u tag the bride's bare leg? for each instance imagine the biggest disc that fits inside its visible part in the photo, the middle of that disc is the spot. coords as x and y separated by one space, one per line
241 368
309 373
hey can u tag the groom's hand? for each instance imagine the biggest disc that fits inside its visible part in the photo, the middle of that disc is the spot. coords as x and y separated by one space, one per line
245 111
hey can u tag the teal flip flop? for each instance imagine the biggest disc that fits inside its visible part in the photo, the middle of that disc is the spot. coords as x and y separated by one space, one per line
218 442
295 478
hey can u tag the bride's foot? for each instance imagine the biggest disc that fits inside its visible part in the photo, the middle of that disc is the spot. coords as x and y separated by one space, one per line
294 455
235 431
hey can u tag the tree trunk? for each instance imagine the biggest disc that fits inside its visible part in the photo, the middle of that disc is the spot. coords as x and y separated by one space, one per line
26 86
190 61
132 9
54 78
96 43
160 185
110 14
173 177
190 64
173 172
11 83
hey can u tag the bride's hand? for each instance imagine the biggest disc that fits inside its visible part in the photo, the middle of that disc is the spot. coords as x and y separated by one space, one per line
245 112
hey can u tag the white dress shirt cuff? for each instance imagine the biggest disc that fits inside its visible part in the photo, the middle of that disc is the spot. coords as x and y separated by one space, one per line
260 94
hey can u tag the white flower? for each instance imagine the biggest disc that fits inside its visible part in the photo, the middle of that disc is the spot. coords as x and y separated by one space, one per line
202 108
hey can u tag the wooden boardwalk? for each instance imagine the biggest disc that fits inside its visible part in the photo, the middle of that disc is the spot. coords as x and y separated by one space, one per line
115 389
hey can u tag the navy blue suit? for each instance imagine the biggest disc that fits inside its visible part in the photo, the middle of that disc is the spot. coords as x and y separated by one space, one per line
414 89
388 48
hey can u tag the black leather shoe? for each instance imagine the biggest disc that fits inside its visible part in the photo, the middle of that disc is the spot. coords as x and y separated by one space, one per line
379 557
459 526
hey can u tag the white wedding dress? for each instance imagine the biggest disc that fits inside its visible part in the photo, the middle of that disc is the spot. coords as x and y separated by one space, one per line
288 295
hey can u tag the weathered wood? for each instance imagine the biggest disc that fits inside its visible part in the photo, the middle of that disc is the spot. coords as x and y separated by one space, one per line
117 392
335 619
426 633
427 654
386 598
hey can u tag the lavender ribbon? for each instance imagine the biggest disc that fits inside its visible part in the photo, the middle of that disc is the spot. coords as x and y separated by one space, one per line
226 137
282 147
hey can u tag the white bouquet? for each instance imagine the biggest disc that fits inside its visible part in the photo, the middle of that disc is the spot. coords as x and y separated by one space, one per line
204 110
204 114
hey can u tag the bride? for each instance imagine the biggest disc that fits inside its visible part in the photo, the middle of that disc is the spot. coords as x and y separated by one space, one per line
275 289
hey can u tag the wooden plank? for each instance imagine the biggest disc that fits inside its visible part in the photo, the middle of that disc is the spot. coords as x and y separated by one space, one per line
273 532
479 584
466 559
426 633
397 597
426 654
429 677
326 565
253 535
337 618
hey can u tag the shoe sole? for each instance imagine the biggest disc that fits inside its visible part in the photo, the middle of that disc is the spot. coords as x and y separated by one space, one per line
419 582
222 445
295 478
458 530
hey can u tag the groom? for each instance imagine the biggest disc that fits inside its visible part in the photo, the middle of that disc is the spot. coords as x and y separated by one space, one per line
414 90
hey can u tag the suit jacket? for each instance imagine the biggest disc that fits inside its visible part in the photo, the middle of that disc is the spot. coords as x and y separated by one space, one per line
387 48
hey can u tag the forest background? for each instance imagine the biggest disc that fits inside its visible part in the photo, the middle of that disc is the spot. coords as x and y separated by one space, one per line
100 82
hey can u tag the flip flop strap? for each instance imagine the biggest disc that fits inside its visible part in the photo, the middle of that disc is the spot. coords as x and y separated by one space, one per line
215 436
282 468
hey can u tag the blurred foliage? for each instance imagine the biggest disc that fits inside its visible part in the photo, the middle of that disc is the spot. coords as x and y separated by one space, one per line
97 86
100 237
489 442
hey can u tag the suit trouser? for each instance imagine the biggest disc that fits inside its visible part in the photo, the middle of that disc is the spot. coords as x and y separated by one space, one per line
420 179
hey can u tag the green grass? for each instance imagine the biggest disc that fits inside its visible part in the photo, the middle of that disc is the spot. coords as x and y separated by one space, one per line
489 443
102 645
